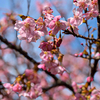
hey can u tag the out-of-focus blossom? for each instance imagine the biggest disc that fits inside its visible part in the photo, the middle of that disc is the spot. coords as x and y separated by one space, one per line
3 24
34 92
42 6
82 3
79 97
31 76
92 13
46 56
89 79
95 95
17 88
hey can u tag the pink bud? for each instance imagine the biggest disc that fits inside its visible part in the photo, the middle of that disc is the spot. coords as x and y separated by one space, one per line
81 54
74 0
76 55
81 43
89 79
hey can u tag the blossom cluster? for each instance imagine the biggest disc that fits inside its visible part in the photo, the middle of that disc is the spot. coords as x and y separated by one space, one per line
30 29
27 85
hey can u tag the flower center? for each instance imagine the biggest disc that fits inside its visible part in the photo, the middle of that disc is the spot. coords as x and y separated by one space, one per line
27 25
57 23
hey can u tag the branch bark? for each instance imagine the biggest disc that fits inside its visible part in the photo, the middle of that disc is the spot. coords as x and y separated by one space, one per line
94 68
59 84
80 36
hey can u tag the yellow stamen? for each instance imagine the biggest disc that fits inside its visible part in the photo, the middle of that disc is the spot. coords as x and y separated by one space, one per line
57 23
27 25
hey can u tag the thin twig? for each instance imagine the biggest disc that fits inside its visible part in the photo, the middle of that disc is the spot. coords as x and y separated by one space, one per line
85 57
80 36
59 84
28 6
94 68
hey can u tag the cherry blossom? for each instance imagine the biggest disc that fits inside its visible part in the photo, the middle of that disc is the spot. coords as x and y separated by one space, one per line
27 31
57 25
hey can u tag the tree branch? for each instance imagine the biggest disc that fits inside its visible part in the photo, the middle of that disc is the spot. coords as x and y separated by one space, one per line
94 68
85 57
59 84
80 36
18 49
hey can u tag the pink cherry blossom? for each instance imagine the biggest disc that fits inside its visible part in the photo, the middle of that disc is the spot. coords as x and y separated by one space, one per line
95 95
57 70
48 15
46 56
31 76
70 23
82 3
3 24
94 4
91 13
79 96
53 66
42 6
75 87
47 10
77 19
17 88
7 85
57 25
27 30
34 92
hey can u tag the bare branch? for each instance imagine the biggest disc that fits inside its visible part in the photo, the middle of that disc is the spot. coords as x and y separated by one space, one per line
80 36
94 69
59 84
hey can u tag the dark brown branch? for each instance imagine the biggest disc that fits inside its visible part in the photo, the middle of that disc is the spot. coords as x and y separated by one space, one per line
28 6
55 78
80 36
94 68
59 84
18 49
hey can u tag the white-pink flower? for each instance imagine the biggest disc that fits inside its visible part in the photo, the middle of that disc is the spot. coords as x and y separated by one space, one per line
78 16
57 25
46 56
93 12
34 92
82 3
27 30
